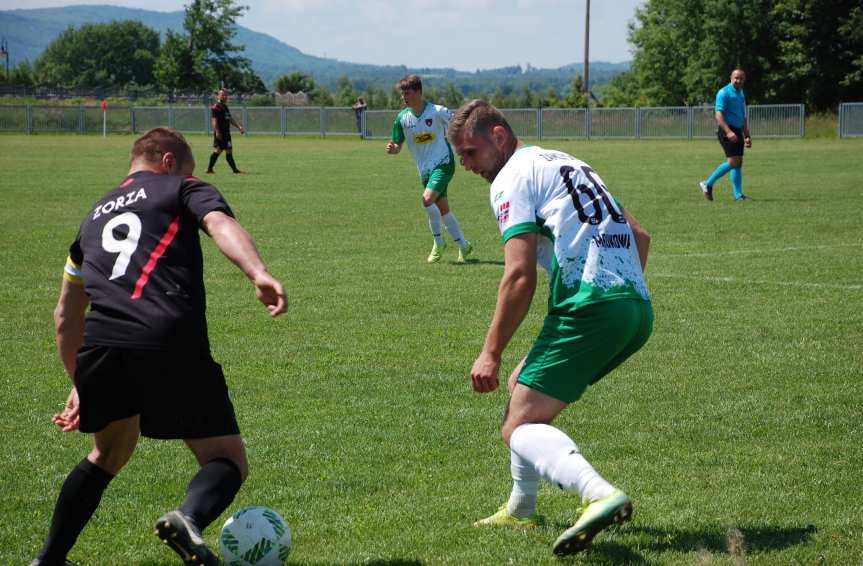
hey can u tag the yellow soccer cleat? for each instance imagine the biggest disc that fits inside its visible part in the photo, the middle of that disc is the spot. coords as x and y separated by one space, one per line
612 509
436 252
503 519
464 253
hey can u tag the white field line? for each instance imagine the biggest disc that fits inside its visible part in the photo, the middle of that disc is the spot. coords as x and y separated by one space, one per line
762 251
849 287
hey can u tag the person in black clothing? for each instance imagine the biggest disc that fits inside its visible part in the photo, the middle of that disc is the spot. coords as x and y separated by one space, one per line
359 107
221 122
140 358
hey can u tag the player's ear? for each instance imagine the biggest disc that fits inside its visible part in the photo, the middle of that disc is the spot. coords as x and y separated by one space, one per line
168 162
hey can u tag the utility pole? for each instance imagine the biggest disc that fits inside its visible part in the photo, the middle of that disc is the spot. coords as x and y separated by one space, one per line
587 50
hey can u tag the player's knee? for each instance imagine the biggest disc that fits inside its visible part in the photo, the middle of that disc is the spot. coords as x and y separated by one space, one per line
427 201
112 461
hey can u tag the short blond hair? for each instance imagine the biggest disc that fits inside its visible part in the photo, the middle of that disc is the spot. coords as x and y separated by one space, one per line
476 118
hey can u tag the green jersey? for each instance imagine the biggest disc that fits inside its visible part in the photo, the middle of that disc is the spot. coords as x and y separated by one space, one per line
426 136
584 240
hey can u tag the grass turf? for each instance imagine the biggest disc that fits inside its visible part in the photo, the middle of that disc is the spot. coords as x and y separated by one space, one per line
736 430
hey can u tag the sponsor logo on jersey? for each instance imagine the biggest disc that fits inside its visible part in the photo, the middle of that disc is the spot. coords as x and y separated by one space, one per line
497 196
425 137
503 212
121 201
428 122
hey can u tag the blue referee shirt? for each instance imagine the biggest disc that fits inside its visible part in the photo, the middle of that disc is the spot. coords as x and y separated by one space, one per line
732 103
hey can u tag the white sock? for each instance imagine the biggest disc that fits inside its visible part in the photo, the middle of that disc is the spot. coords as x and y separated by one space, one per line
525 487
434 223
451 223
556 458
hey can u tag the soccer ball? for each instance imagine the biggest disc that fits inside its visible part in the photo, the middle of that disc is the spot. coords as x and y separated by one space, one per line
255 536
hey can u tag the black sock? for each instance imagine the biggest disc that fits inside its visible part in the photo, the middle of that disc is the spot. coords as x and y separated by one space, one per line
229 157
78 499
211 491
213 157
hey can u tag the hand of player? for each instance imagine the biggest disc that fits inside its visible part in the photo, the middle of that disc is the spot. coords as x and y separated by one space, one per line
242 130
270 292
747 141
69 419
731 136
484 372
392 148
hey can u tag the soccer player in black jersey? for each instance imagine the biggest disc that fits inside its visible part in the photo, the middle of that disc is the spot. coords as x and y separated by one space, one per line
140 358
221 121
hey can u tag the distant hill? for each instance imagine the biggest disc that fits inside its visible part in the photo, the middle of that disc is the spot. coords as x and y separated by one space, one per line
29 32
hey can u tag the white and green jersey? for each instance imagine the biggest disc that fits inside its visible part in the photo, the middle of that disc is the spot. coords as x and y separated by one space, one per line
426 136
584 240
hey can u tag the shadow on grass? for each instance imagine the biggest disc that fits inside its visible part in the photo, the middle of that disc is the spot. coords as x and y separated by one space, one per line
714 540
477 262
377 562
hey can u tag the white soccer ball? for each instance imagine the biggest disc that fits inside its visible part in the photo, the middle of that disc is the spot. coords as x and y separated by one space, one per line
255 536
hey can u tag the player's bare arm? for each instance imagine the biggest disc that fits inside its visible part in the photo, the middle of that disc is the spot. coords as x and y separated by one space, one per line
729 133
514 295
239 127
238 246
642 238
393 147
69 335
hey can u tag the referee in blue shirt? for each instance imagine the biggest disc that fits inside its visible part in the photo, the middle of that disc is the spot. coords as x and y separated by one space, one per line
733 134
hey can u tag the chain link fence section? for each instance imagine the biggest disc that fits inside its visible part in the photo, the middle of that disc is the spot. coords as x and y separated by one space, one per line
851 119
677 122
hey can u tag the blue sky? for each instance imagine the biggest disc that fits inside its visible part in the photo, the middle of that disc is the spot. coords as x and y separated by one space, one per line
464 34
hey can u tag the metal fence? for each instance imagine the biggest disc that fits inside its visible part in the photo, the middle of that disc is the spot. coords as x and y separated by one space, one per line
676 122
851 119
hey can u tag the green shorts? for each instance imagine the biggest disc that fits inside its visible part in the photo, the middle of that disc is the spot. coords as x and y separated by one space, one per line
572 352
439 178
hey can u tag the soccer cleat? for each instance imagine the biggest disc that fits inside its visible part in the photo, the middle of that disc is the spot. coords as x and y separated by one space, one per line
464 253
742 198
436 252
503 519
177 531
209 172
707 190
599 514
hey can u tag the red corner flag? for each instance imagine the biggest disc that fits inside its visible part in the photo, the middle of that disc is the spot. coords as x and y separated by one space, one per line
104 105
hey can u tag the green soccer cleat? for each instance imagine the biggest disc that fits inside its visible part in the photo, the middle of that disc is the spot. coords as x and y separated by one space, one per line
464 253
612 509
503 519
436 252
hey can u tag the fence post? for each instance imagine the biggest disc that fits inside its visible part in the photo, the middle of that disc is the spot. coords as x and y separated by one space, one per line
132 118
28 118
802 120
689 122
283 120
81 120
588 121
362 125
841 110
539 123
323 122
170 116
245 119
637 123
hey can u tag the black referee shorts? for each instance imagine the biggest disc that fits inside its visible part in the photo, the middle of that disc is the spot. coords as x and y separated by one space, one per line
732 149
179 394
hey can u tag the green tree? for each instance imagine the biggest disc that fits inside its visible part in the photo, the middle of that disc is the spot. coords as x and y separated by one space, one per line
19 75
576 97
345 95
204 56
295 82
100 55
451 97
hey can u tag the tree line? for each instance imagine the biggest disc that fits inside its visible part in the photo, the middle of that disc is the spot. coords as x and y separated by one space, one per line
794 51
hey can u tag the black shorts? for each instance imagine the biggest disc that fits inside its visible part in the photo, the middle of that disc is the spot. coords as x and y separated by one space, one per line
732 149
224 143
178 394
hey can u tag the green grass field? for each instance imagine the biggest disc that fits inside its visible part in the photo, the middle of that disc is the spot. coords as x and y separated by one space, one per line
736 430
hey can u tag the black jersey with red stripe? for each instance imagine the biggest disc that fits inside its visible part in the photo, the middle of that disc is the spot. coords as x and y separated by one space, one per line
142 265
222 114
